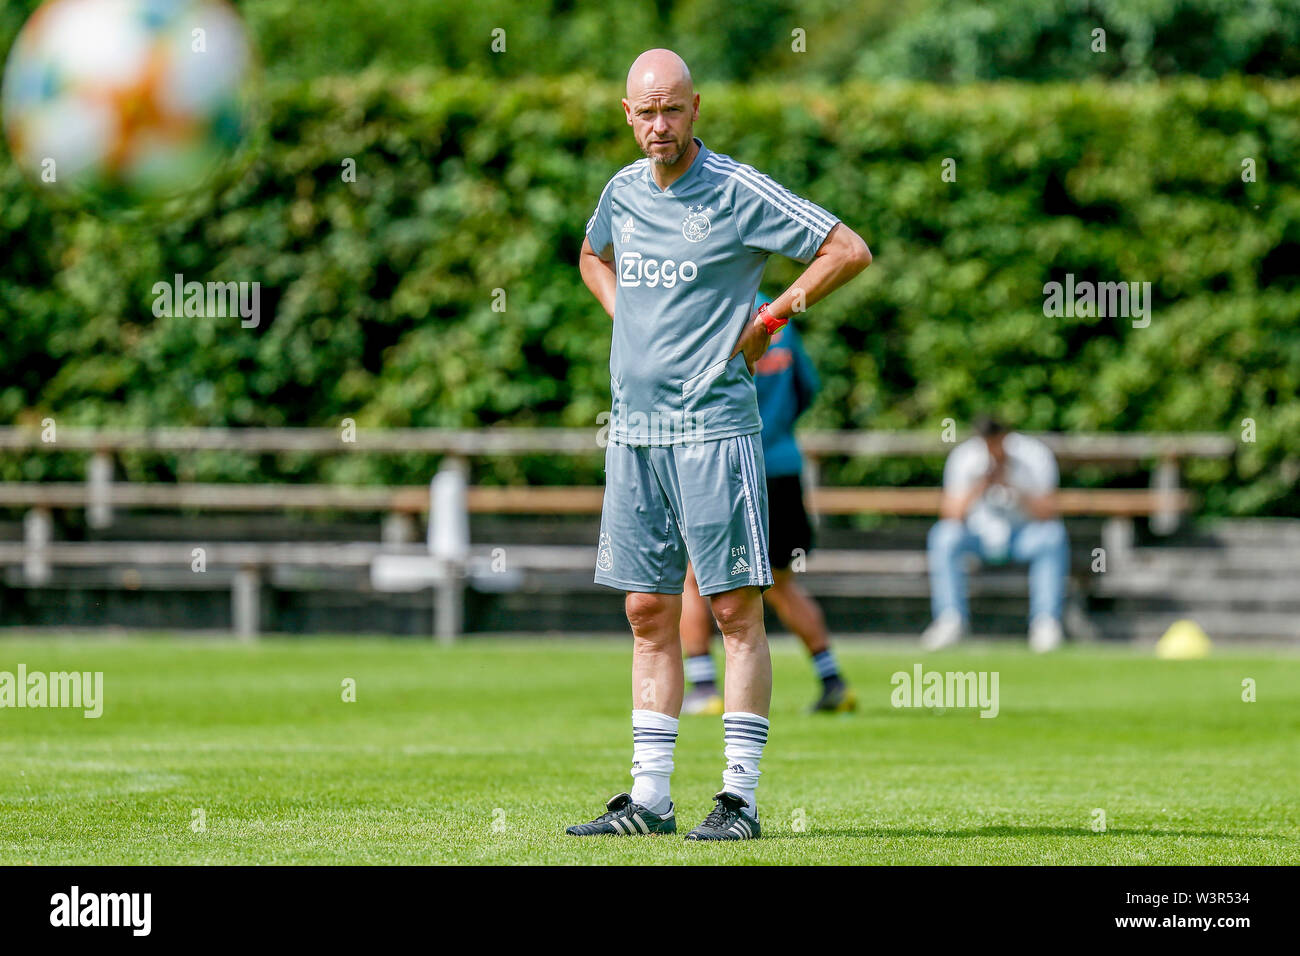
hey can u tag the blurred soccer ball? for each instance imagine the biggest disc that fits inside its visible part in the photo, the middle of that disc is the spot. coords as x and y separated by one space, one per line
127 102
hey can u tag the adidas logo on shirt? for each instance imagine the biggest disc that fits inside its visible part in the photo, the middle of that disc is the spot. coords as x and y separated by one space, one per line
740 567
627 229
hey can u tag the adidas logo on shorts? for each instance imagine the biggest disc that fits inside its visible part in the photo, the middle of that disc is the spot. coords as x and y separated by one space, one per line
740 567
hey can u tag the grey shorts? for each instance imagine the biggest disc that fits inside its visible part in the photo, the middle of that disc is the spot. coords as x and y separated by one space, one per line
705 501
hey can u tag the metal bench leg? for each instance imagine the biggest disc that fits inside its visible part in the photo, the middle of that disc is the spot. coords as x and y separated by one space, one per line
1077 623
398 528
38 530
449 606
246 602
99 489
449 545
1117 539
1165 479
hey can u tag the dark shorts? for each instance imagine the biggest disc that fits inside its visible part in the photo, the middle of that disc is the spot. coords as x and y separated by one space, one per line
789 530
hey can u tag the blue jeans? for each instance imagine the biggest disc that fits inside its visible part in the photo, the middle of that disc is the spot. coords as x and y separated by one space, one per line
1042 544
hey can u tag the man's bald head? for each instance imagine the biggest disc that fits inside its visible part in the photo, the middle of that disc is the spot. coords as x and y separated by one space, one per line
659 71
662 106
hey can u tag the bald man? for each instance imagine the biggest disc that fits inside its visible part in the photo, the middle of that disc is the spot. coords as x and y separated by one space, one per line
674 254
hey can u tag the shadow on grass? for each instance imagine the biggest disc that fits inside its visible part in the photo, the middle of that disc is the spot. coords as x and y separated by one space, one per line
1008 831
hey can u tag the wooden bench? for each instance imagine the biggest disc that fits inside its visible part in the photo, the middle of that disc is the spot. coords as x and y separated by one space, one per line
521 499
100 494
401 503
1163 451
397 565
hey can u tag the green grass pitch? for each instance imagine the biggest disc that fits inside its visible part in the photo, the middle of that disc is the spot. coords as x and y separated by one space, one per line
483 752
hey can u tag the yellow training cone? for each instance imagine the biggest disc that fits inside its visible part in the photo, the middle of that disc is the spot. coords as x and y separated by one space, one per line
1183 641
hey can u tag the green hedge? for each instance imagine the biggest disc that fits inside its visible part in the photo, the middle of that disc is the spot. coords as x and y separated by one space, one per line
378 295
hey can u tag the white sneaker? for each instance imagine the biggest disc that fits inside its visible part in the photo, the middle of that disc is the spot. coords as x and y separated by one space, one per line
1045 635
944 631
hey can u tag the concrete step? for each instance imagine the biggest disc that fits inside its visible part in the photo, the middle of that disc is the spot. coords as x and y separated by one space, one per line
1281 560
1278 591
1271 532
1221 625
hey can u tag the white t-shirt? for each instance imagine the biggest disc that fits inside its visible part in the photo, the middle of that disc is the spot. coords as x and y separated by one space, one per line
1030 466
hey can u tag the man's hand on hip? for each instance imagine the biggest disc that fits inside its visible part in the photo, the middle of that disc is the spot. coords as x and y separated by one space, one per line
753 342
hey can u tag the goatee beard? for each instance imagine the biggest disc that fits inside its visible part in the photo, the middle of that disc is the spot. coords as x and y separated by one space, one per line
665 162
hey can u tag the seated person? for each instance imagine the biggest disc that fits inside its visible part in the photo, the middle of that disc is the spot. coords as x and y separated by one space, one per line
999 503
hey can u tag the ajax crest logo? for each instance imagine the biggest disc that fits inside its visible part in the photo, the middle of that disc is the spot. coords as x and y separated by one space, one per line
696 225
605 554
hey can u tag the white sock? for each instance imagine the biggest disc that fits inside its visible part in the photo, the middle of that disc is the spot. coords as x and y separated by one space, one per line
654 735
744 736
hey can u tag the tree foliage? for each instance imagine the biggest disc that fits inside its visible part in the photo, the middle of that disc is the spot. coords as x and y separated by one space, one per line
726 41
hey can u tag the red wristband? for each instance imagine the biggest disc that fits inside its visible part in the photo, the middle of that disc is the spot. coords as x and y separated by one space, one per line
773 324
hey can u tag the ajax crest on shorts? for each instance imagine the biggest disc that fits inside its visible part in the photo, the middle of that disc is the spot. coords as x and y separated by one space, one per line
605 554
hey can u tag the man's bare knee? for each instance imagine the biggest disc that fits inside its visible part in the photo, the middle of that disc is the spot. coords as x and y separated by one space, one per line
649 614
737 611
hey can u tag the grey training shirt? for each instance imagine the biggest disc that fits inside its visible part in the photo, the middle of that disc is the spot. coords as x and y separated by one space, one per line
688 260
